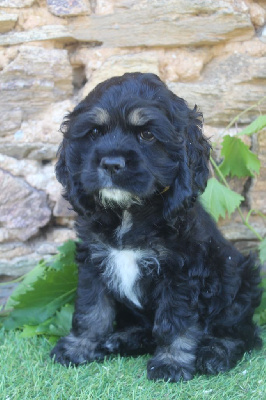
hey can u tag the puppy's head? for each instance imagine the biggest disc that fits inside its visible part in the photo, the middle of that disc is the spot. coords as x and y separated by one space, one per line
130 139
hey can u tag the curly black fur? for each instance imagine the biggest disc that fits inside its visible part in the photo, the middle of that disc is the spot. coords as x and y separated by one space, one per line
155 274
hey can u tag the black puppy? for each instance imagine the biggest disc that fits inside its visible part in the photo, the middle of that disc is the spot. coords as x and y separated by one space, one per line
155 274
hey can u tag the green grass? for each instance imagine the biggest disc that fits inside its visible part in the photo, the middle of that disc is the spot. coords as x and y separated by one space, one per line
26 372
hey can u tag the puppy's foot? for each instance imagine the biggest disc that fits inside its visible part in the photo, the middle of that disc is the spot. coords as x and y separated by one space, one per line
129 342
115 344
72 350
218 355
172 372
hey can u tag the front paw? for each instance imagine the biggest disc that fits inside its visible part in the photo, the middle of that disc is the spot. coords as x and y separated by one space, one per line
166 371
73 350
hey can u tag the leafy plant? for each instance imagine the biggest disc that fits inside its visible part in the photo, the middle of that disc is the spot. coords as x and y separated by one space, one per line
239 161
43 303
219 199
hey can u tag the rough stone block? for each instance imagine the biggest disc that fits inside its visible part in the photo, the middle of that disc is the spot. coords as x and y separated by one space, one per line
37 138
257 14
35 174
166 23
35 78
7 22
10 121
183 65
18 258
68 8
119 65
16 3
228 86
47 32
24 210
234 229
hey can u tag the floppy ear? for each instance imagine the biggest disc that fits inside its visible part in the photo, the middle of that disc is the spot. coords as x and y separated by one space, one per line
60 168
81 203
198 151
192 173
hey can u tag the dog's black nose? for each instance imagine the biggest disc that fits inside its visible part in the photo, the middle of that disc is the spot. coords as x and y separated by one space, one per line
112 164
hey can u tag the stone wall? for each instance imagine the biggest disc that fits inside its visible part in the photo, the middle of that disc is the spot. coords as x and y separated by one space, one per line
53 52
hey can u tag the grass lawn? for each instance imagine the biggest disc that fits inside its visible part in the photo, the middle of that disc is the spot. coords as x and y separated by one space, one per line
26 372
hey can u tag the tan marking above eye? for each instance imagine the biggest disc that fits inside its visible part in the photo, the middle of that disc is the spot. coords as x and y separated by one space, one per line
137 117
100 116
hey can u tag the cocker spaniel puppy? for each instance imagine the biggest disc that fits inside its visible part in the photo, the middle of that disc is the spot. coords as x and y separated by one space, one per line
155 274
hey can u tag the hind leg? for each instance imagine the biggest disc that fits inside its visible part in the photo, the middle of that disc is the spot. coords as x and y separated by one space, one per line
216 355
220 353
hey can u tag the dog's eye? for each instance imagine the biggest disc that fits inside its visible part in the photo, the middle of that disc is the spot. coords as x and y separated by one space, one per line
147 136
94 132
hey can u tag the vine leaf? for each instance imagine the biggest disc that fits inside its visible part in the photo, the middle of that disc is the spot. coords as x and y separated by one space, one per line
37 273
238 159
218 199
58 325
45 291
66 256
257 125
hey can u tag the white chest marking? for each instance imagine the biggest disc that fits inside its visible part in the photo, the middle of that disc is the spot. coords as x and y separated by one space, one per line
125 226
122 271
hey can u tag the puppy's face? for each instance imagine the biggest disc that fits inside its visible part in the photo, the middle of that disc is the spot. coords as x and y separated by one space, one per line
128 141
120 152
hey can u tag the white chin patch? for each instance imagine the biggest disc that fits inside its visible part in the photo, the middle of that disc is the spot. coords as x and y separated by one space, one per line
113 197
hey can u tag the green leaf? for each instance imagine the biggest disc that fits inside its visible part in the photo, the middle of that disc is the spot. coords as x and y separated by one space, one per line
255 126
218 199
262 250
58 325
45 294
37 273
66 255
238 159
29 331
